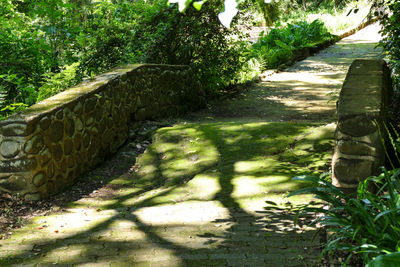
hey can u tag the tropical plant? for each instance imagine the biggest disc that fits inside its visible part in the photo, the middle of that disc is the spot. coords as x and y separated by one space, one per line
278 45
367 224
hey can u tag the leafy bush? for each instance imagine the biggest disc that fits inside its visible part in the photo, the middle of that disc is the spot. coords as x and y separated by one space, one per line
368 225
391 42
58 82
195 38
279 44
51 45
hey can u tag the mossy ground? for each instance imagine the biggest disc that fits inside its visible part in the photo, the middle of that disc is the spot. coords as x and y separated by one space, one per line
229 161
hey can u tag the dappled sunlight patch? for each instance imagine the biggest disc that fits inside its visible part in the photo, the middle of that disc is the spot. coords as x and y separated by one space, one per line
93 202
255 166
176 155
249 186
188 213
256 187
147 197
322 132
203 186
49 229
256 204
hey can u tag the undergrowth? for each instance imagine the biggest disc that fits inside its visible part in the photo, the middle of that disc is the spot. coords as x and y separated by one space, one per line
366 226
280 44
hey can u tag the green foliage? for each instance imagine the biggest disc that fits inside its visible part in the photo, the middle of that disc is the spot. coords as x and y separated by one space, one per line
368 225
387 260
58 82
49 45
9 109
195 38
391 42
279 44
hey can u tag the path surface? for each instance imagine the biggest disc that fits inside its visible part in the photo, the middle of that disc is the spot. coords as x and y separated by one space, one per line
197 196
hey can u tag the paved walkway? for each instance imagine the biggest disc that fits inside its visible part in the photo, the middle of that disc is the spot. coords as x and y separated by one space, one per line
197 196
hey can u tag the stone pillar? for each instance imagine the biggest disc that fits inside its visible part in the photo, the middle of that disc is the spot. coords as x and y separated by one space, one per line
362 110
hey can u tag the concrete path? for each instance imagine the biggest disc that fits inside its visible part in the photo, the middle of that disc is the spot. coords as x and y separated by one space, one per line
199 195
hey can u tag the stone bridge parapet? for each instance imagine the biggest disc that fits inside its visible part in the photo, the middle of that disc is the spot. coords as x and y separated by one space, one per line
47 146
362 111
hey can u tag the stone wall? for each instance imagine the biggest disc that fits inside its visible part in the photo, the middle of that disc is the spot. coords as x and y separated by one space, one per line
362 110
46 147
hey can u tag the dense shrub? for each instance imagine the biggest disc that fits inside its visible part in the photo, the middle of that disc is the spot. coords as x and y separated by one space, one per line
194 38
48 45
365 225
391 41
278 45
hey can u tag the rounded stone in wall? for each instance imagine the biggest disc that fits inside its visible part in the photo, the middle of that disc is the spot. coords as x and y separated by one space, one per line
45 156
70 162
86 139
34 145
63 165
32 197
110 122
14 183
78 161
14 129
117 98
56 131
69 127
9 148
94 131
60 114
50 170
78 142
57 152
102 126
89 121
98 114
68 146
44 123
78 108
78 124
108 92
90 103
51 187
39 179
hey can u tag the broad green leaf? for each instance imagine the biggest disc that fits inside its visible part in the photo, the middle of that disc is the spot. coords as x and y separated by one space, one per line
199 4
388 260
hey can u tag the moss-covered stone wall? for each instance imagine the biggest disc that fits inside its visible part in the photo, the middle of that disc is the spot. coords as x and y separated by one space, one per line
362 111
47 146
